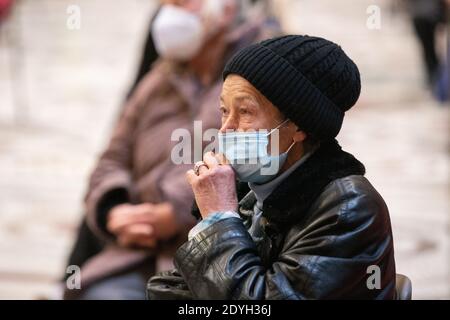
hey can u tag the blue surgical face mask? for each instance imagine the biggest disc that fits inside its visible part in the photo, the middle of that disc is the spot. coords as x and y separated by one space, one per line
248 156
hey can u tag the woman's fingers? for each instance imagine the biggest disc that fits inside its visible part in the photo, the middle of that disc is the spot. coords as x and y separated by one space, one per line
209 162
140 229
221 159
146 242
210 159
118 218
141 235
203 168
191 176
124 215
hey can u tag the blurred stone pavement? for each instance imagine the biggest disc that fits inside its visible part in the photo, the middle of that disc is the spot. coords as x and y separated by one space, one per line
61 89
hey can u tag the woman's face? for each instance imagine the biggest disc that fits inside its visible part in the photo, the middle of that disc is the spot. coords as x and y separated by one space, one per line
243 108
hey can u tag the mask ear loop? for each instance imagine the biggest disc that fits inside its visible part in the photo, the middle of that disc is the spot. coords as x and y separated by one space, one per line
282 123
290 147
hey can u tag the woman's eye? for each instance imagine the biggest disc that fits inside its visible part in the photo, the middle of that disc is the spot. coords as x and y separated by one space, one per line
244 111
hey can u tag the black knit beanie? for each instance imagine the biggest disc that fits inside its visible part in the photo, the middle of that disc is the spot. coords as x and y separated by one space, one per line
309 79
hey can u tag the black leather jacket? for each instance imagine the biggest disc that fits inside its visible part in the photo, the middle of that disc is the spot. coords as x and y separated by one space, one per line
314 246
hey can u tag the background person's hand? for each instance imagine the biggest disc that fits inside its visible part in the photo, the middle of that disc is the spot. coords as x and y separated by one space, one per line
123 221
142 224
137 235
215 186
163 220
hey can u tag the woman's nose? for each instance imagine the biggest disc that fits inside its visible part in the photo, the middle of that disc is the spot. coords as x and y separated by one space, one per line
230 123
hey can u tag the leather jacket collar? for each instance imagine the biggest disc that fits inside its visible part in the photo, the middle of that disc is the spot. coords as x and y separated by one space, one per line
290 201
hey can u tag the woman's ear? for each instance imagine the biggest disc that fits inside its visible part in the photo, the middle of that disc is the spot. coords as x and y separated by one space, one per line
299 136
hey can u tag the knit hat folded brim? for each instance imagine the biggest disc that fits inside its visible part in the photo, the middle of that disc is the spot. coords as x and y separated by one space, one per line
287 89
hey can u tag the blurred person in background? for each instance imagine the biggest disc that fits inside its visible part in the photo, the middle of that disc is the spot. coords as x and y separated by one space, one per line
5 8
150 54
427 16
138 202
442 87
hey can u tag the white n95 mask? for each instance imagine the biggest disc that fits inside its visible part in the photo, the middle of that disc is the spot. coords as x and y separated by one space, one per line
248 156
177 33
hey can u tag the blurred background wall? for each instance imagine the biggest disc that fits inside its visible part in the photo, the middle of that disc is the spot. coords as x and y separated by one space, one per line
61 89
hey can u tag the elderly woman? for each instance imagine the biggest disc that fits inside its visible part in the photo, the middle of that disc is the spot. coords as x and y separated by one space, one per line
311 226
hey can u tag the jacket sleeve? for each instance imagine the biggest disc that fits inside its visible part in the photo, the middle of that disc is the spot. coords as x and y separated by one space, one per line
168 285
113 170
329 259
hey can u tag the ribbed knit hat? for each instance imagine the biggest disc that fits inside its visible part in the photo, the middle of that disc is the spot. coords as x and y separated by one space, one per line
309 79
